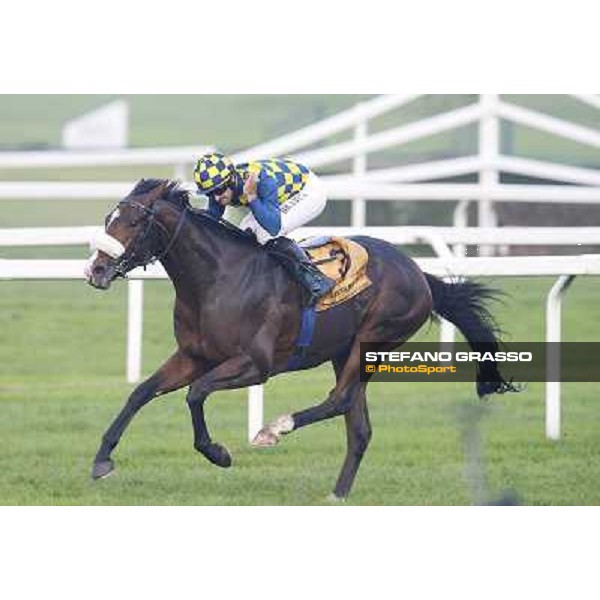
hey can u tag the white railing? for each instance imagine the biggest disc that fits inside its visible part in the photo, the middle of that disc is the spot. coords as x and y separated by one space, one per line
475 236
536 120
337 189
48 236
565 267
526 236
102 158
438 238
392 137
397 183
353 117
488 162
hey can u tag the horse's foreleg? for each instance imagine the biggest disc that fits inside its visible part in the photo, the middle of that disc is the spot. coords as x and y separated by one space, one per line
236 372
178 371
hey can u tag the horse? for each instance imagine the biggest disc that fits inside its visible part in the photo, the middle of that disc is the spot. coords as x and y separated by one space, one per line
237 317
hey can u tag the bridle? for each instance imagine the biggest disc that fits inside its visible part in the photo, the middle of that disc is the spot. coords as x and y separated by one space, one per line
130 258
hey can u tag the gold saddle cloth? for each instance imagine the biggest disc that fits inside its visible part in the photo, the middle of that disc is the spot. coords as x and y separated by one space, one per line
342 260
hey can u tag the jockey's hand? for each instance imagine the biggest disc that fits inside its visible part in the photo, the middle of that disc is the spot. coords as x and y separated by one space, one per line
250 187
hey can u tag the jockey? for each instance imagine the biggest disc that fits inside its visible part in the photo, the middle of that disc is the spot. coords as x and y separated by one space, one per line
282 195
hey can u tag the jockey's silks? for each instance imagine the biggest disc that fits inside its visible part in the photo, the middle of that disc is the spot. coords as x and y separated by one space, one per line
277 181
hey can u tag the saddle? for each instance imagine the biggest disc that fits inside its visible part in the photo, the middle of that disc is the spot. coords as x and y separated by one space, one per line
342 260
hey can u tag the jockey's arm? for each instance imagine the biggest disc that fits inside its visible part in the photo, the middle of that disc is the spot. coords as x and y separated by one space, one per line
265 207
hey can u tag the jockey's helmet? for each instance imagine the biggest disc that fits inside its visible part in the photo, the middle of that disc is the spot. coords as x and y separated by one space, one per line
213 171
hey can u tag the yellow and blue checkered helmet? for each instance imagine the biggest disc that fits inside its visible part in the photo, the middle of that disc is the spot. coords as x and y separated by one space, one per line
213 171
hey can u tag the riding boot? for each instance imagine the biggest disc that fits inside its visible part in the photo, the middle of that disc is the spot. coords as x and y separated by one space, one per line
297 263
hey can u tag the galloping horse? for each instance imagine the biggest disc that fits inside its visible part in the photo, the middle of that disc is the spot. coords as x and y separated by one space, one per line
237 316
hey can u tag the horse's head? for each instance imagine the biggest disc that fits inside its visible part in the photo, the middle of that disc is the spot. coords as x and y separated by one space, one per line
129 239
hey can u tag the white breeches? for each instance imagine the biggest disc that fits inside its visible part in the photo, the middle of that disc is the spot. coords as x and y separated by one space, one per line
300 209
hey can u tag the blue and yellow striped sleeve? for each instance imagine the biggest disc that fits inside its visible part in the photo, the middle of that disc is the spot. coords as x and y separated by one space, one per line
265 207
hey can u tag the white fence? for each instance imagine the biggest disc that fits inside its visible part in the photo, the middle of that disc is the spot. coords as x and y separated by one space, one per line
532 236
565 267
180 155
438 238
337 189
398 183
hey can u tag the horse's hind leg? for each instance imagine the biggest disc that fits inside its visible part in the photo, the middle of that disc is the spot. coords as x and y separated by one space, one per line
339 402
358 436
347 398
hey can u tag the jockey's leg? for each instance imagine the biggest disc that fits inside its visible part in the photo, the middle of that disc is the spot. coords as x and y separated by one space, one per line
300 209
249 222
293 259
304 206
297 263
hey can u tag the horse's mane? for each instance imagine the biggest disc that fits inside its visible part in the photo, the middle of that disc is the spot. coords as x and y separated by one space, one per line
173 192
180 197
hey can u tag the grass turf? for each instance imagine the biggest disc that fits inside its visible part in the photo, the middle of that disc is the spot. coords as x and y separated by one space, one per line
62 348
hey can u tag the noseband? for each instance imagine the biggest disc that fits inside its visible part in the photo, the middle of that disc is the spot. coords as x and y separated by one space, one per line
130 259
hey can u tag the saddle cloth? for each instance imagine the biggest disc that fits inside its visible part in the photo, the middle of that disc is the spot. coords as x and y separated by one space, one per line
342 260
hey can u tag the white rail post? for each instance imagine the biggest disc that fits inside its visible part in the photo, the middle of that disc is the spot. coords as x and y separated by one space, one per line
447 329
460 220
447 333
553 335
255 410
135 301
359 168
489 149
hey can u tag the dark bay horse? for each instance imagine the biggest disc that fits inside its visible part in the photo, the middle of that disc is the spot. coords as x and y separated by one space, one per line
237 317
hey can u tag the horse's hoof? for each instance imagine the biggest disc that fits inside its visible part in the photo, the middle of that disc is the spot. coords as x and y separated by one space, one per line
103 469
336 499
265 438
217 454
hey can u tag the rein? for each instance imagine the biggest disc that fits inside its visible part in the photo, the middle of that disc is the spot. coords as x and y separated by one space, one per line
129 261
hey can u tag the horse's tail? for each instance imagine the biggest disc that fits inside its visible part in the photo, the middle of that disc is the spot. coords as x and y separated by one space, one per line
463 303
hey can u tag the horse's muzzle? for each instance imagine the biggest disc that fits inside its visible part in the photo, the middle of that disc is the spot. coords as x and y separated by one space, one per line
100 273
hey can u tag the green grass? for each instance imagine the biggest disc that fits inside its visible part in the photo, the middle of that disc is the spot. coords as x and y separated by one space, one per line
62 351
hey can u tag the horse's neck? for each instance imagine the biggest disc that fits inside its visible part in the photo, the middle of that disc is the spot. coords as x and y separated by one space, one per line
198 257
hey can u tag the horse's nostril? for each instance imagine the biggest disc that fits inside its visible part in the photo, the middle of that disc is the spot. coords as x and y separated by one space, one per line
98 270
